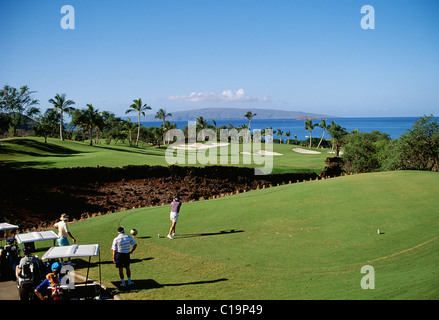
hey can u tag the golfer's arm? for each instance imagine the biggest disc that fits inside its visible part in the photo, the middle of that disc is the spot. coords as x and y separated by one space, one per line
71 236
114 254
134 248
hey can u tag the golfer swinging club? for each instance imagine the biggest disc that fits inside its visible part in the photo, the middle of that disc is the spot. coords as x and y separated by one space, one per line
175 209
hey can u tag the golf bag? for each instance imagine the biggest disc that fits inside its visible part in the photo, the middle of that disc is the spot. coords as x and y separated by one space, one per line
32 274
9 259
57 293
2 263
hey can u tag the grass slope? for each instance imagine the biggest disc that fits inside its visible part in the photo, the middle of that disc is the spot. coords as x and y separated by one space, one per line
300 241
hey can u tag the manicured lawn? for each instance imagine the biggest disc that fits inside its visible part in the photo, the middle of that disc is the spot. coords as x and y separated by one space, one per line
33 152
301 241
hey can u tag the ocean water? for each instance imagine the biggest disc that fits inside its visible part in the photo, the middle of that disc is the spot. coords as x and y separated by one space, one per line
394 127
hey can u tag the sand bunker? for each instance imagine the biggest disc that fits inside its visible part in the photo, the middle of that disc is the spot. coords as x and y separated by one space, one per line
203 146
263 152
199 146
300 150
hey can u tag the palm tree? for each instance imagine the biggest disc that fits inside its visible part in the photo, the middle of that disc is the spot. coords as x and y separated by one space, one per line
249 115
338 134
62 105
100 124
324 126
140 108
279 133
129 127
117 131
87 119
288 134
168 126
309 126
161 114
201 123
215 126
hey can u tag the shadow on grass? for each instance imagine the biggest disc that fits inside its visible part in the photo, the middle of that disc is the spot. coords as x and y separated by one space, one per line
81 263
24 164
41 149
147 284
193 235
135 150
32 148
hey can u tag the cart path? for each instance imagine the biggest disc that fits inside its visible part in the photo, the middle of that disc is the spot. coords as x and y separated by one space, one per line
8 290
406 250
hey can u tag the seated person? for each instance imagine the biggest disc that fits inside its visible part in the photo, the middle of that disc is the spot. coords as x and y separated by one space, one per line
52 279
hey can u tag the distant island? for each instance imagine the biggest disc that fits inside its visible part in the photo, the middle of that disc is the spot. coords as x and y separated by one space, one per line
237 114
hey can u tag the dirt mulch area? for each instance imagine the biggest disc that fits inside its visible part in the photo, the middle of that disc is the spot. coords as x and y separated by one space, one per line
34 199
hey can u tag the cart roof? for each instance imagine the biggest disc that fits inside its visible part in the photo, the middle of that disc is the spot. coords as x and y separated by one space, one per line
6 226
36 236
73 251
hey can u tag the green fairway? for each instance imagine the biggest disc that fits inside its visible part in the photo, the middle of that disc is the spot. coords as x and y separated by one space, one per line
301 241
34 153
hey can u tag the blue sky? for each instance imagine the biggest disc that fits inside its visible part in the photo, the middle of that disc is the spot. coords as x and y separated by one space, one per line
292 55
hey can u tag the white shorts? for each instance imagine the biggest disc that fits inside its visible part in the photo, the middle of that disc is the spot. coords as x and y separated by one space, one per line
173 216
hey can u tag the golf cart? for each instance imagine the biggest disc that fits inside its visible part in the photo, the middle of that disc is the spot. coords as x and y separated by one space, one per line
4 226
9 257
68 289
28 239
33 270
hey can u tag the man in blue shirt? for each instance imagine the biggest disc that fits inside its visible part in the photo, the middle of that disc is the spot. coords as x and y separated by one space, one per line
121 254
51 280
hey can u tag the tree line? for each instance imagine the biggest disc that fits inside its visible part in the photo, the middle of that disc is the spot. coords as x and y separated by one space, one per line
17 108
416 149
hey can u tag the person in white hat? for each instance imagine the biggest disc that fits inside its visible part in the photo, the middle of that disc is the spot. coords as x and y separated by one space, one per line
63 231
